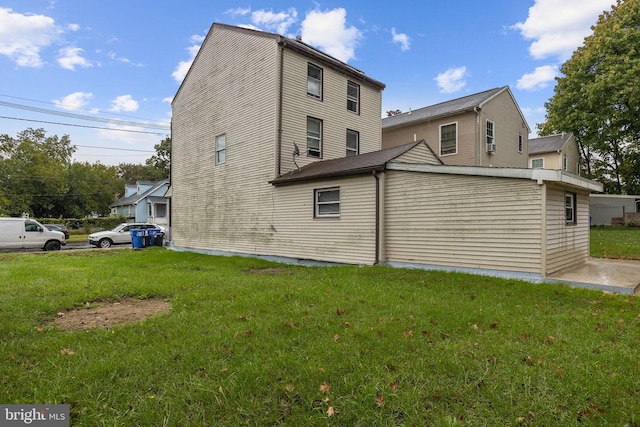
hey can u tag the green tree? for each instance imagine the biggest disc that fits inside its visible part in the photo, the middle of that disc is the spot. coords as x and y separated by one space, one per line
162 159
91 189
131 173
597 99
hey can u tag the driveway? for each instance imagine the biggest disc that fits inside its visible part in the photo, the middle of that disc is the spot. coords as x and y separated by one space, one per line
606 274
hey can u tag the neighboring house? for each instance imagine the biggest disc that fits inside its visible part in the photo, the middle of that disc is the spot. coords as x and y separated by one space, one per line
483 129
143 202
555 152
612 209
265 162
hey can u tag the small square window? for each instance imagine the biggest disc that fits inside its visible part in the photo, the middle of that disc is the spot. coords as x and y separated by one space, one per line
353 97
221 148
314 81
327 203
353 143
537 163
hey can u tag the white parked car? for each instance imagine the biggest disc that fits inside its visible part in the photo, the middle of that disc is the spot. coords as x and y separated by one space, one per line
26 233
120 235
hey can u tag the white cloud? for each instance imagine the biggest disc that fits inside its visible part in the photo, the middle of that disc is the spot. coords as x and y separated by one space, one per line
74 101
539 79
183 66
557 28
238 11
452 80
123 59
124 103
276 22
328 31
70 57
400 38
23 36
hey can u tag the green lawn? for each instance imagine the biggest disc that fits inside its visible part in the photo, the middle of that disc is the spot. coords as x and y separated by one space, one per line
615 242
249 342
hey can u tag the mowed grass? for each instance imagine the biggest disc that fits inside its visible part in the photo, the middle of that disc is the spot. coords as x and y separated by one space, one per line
615 242
248 342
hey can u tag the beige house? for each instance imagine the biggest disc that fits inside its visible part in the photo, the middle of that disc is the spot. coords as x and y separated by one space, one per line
276 153
555 152
483 129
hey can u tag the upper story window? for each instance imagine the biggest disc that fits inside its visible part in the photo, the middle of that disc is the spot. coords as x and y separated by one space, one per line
353 143
314 81
221 149
314 137
327 203
537 163
565 163
520 144
449 139
353 97
490 132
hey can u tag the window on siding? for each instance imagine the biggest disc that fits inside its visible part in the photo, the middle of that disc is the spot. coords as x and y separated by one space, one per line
520 144
490 133
570 208
449 139
353 143
161 210
537 163
314 81
327 203
565 165
353 97
314 137
221 149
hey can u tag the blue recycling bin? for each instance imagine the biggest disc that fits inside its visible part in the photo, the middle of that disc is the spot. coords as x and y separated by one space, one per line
137 238
156 236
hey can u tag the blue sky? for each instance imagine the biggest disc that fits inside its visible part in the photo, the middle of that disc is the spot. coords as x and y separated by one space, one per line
110 69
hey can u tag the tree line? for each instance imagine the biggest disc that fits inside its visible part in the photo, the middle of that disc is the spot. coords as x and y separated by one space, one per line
38 177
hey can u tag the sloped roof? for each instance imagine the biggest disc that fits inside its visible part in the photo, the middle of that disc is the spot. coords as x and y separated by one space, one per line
352 165
135 198
459 105
549 144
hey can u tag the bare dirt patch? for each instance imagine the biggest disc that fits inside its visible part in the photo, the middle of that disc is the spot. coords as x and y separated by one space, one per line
109 314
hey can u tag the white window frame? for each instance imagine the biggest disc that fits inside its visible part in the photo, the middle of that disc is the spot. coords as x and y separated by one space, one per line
350 150
314 82
520 143
455 151
490 132
353 101
314 137
221 149
570 208
319 204
565 163
541 159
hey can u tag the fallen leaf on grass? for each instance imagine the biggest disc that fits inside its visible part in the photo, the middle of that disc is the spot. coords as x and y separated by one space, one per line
67 352
330 411
408 334
620 321
379 400
336 337
394 386
324 388
558 371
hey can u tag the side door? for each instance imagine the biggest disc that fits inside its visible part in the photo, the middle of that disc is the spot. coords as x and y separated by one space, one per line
34 236
123 236
11 234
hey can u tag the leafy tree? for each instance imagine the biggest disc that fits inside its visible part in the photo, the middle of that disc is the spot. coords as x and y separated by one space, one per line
131 173
91 189
597 98
162 159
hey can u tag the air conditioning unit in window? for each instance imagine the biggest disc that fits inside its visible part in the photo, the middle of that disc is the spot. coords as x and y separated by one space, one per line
491 148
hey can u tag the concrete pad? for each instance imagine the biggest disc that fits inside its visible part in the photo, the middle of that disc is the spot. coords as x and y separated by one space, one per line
606 274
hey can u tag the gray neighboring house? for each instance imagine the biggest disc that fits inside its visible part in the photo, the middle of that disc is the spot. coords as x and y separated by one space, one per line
614 209
143 201
559 152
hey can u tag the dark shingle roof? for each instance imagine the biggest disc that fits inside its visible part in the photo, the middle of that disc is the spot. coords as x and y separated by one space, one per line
352 165
466 103
548 144
134 198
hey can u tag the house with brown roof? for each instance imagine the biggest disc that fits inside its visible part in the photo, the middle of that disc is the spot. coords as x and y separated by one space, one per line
276 153
482 129
555 152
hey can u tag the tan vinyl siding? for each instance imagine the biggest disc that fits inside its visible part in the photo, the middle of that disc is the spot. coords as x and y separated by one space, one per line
418 154
430 132
332 110
348 239
508 124
222 206
567 245
463 221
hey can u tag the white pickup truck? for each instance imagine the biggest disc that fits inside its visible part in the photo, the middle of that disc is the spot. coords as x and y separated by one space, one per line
26 233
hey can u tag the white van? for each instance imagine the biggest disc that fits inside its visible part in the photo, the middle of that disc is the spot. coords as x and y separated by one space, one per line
26 233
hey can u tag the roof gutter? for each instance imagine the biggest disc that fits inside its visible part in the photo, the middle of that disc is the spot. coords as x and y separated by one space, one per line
279 113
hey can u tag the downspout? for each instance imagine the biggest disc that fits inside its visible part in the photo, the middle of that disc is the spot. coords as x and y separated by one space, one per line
543 227
377 232
279 112
478 138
